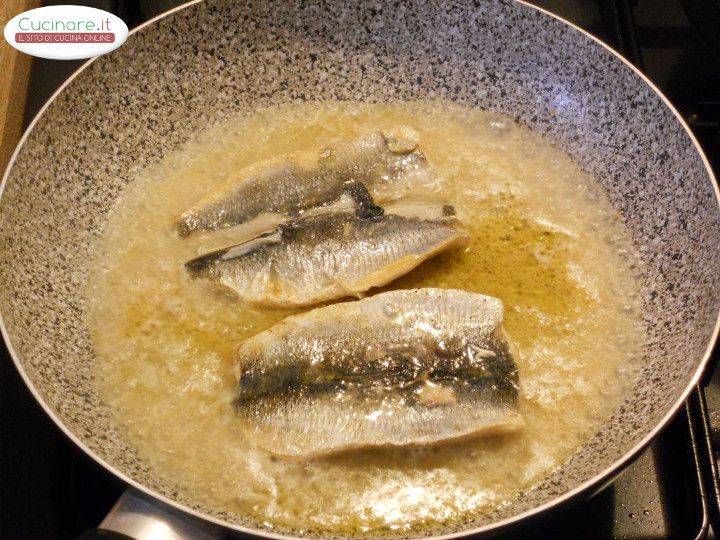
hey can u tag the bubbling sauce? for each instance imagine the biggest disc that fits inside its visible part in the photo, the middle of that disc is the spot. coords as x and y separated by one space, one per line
544 240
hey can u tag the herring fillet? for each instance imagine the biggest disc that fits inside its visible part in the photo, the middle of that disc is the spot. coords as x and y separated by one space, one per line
327 256
406 367
292 183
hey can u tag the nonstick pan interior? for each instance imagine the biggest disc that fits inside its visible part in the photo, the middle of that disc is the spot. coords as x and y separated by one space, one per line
196 66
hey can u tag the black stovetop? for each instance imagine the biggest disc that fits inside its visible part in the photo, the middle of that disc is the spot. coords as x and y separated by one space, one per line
50 489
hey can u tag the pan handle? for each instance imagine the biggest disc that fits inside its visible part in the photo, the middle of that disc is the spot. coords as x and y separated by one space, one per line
138 517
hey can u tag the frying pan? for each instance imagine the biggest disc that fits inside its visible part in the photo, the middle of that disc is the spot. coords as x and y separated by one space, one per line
194 66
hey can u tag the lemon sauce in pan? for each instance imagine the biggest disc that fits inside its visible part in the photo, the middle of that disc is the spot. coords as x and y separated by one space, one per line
544 240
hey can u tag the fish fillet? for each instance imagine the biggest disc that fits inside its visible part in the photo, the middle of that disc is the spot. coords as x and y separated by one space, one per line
407 367
290 184
327 256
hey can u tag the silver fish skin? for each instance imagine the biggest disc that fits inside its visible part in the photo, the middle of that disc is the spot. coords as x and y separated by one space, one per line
402 368
290 184
328 256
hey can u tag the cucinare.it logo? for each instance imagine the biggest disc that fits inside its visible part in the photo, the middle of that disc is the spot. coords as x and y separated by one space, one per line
66 32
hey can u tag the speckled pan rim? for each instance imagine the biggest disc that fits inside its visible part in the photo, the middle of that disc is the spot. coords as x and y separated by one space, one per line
594 484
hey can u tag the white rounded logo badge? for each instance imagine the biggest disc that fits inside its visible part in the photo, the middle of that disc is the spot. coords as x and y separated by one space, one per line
66 32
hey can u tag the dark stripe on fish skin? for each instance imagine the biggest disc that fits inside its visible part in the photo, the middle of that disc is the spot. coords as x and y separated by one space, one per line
389 382
364 203
504 390
200 264
372 213
397 372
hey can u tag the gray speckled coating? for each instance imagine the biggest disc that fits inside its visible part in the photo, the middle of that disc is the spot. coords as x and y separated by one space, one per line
189 70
